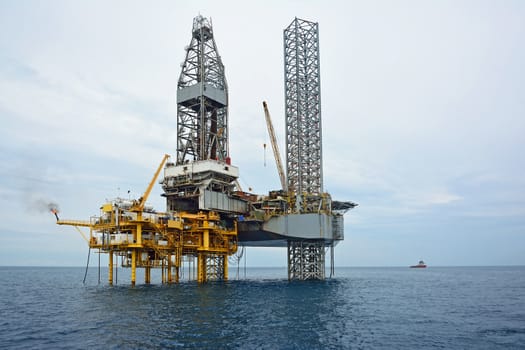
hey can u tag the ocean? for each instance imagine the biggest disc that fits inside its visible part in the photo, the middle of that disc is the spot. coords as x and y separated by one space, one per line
360 308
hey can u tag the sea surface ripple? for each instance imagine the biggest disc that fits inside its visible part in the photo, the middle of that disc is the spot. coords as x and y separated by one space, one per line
361 308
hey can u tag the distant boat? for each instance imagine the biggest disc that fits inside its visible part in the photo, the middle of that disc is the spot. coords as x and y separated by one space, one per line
420 265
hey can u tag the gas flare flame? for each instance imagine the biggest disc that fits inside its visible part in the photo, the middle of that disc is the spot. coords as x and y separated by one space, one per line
55 211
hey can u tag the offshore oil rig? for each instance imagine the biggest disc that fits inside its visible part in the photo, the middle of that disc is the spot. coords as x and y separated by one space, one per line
208 217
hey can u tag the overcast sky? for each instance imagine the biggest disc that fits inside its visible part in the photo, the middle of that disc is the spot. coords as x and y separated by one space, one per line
423 106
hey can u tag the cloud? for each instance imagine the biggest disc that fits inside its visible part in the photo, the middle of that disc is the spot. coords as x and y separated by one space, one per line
74 114
443 198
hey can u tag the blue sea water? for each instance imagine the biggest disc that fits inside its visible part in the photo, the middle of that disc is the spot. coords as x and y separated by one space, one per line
361 308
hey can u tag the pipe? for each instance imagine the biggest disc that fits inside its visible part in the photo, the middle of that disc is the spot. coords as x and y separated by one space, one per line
54 211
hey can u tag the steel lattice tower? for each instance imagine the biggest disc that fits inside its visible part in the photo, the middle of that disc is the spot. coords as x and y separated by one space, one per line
304 166
202 99
303 107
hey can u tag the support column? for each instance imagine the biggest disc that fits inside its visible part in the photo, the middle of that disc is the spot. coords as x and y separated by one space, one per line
201 268
332 261
139 229
206 238
133 266
110 268
147 275
225 266
163 272
202 256
178 264
178 259
170 277
306 260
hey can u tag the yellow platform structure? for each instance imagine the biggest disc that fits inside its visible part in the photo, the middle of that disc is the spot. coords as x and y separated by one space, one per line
147 239
158 240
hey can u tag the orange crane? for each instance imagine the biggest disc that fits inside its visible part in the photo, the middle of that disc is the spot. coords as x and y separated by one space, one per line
275 147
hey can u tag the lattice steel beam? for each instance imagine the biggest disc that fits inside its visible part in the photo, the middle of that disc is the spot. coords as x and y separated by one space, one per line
306 260
216 267
303 107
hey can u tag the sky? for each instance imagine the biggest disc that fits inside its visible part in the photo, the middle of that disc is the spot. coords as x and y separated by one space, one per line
423 106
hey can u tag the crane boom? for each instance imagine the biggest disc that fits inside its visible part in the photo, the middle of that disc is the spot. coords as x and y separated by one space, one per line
142 200
275 147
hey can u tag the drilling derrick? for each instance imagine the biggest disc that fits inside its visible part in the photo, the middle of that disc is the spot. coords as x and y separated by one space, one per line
202 180
202 99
